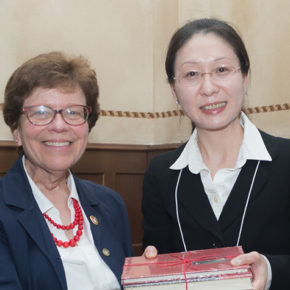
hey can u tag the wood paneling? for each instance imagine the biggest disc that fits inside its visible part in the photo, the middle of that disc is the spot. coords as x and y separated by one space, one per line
120 167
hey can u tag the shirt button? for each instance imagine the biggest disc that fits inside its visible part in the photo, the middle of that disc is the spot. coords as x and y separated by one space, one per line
216 199
106 252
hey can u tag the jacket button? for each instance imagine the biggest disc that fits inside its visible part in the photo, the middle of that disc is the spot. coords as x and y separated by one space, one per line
106 252
94 220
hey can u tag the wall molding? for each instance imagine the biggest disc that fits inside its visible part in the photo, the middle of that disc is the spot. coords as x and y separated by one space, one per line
175 113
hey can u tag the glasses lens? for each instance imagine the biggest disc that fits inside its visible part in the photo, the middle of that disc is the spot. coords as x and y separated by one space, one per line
39 115
76 115
192 76
222 72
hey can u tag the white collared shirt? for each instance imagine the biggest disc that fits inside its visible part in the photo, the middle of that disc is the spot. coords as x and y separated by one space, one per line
84 268
219 188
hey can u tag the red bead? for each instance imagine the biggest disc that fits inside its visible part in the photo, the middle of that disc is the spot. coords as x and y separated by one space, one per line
65 244
77 220
72 242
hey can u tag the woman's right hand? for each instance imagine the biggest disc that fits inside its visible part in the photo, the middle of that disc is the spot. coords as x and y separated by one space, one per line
150 252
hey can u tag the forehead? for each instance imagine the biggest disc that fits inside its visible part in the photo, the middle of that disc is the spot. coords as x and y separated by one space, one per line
203 48
60 95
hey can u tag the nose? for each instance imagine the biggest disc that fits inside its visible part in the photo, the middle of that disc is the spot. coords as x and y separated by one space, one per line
58 123
207 85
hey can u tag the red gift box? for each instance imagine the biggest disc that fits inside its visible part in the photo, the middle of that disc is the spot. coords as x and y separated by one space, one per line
198 270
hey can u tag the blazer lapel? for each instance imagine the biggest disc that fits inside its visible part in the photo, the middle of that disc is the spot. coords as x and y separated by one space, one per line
235 204
90 206
17 193
194 202
34 224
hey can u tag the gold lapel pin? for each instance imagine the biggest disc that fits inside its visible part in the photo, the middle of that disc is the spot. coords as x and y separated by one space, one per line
94 220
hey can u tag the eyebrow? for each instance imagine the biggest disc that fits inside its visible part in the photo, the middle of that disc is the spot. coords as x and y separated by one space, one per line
212 61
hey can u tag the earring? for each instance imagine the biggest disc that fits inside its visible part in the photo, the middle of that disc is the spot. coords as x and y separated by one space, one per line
176 102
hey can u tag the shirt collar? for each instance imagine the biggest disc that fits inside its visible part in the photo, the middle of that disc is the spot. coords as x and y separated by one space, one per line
252 147
43 202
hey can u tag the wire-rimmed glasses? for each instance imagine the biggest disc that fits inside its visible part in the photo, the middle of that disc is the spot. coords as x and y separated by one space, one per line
43 115
192 77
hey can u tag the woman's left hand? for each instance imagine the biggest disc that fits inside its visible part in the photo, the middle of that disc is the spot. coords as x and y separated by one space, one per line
258 266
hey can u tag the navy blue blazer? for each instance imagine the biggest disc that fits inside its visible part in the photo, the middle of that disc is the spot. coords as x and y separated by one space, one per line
29 259
267 222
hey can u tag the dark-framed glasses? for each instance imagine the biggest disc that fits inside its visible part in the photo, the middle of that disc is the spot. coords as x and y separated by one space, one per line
190 77
43 115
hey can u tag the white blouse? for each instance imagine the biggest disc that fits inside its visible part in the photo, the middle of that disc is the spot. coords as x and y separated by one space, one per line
84 268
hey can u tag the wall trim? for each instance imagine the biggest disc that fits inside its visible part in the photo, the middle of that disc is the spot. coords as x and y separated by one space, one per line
175 113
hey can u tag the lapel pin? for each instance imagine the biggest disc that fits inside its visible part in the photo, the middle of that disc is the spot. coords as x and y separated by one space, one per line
94 220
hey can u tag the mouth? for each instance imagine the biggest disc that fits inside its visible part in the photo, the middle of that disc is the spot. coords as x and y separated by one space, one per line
213 106
57 144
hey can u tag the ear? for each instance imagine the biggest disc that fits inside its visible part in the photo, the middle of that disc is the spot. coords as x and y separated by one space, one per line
245 82
172 88
17 137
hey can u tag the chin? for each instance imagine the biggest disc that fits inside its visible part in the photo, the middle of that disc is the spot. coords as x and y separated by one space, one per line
59 166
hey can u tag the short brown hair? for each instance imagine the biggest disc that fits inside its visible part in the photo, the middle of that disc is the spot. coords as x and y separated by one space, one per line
50 70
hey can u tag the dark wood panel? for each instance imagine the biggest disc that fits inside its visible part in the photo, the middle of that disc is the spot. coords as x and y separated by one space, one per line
120 167
8 155
129 186
95 177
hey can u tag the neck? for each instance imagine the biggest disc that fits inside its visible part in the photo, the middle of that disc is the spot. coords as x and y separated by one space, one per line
51 184
220 149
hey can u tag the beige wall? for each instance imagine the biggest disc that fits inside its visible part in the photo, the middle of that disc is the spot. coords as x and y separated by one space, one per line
126 42
265 28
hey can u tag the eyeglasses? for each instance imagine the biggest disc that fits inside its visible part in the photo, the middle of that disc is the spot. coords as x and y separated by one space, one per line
43 115
194 77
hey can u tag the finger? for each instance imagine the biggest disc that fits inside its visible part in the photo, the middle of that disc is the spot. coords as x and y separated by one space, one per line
249 258
150 252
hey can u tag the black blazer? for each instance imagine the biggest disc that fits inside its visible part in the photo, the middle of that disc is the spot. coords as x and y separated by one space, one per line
267 222
29 259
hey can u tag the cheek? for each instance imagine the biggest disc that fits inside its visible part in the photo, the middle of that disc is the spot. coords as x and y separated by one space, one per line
240 94
25 134
188 98
82 133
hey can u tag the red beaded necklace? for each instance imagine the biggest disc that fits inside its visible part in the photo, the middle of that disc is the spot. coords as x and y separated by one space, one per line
78 220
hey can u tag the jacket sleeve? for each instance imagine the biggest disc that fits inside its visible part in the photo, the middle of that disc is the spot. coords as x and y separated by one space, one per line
157 223
280 265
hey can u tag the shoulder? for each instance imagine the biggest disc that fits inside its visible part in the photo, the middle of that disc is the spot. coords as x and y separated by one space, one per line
272 138
159 166
97 193
279 149
275 144
166 159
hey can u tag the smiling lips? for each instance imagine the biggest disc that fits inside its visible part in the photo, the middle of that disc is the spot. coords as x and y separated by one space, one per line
212 107
57 144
